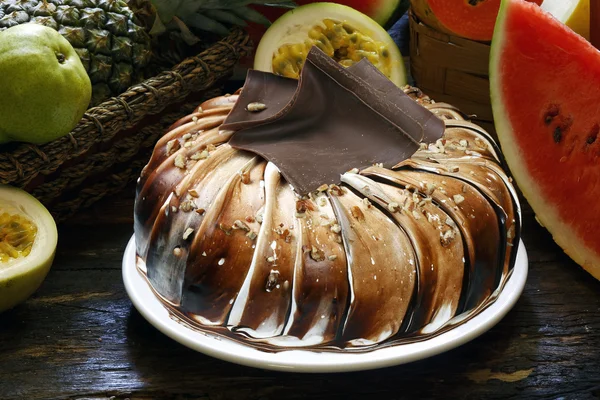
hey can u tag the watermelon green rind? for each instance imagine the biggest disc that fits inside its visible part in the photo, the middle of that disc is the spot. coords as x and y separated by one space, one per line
565 233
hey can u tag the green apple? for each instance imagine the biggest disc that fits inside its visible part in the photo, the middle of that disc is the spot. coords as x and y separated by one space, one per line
44 88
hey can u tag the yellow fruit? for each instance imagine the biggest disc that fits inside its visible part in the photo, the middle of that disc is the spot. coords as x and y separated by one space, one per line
28 239
44 89
341 32
573 13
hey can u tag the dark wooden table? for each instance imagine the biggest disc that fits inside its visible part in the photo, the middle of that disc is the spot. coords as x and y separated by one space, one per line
80 337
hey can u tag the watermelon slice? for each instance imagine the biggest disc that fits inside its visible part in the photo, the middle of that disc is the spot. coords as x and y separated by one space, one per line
471 19
544 82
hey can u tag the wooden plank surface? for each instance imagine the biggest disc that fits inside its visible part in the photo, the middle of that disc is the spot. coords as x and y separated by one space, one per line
80 338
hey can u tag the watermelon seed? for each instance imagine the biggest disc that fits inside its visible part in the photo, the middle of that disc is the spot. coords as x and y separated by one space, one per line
475 2
557 134
553 111
593 134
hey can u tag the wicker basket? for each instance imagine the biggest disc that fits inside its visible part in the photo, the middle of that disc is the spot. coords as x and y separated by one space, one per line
113 141
452 69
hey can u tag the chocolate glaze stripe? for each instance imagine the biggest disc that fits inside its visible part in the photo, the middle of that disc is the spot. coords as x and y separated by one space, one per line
337 342
259 344
439 267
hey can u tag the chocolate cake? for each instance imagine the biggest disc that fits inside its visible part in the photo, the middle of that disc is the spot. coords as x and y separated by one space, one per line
337 212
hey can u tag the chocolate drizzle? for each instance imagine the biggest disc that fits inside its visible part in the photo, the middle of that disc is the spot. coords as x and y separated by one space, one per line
392 254
335 120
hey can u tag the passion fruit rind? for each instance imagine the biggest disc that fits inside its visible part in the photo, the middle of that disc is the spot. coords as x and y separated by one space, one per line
342 32
28 239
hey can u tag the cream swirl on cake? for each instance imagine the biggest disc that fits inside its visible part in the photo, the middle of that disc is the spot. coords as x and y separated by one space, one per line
384 255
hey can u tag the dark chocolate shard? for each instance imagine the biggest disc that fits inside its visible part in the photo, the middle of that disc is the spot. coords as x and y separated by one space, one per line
274 91
337 119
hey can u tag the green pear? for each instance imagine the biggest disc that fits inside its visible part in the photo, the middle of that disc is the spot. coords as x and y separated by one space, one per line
44 88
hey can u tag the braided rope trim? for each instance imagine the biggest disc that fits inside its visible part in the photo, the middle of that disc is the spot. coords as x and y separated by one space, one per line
19 166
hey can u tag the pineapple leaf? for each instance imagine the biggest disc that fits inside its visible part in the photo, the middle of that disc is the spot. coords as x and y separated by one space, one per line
187 35
158 28
225 16
204 23
282 4
251 15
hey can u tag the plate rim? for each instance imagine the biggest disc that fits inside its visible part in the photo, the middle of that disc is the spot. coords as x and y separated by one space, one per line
291 360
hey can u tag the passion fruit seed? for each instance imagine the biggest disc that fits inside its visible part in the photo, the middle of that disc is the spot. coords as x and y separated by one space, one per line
17 235
338 40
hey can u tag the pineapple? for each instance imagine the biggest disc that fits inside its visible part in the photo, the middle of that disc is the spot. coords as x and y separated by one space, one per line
117 39
113 46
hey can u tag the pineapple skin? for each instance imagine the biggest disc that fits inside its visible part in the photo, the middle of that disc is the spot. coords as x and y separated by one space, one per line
113 46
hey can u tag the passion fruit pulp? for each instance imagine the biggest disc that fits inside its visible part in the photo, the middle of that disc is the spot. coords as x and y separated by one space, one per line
343 33
28 239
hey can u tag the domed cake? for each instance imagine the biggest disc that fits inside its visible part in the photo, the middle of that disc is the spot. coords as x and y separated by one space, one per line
389 252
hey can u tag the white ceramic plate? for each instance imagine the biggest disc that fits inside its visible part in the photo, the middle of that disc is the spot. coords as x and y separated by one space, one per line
309 361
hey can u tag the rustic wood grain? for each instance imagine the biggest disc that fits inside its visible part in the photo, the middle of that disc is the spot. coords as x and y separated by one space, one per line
80 338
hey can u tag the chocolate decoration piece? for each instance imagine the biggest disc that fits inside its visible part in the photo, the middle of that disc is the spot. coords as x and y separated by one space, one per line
337 119
388 257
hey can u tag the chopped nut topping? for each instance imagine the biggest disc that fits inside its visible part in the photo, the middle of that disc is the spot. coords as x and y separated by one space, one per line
259 217
272 281
332 257
415 214
171 146
335 228
336 190
193 193
188 232
458 198
322 201
303 205
270 259
453 168
177 251
357 213
211 147
237 224
179 161
316 254
251 235
250 219
464 188
366 202
201 211
187 145
463 143
447 237
245 177
450 222
186 136
195 119
200 155
225 229
256 107
511 233
430 188
186 206
322 188
174 209
379 165
393 206
354 171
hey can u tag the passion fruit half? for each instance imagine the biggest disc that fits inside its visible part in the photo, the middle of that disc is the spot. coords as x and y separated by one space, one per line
341 32
28 239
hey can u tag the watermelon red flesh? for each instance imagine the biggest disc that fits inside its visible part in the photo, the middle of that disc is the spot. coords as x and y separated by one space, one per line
544 83
472 19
